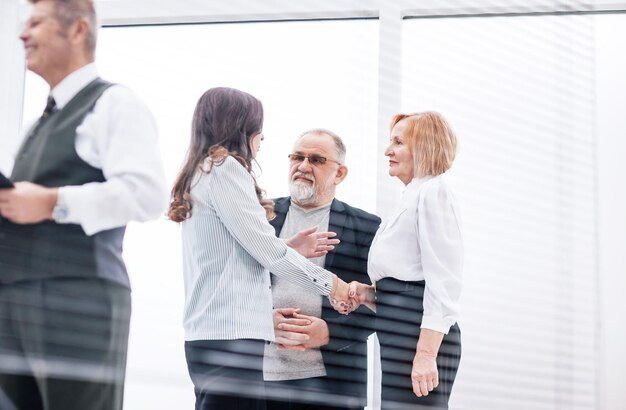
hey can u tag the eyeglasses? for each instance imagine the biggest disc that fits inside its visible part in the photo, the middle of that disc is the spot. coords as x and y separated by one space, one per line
313 159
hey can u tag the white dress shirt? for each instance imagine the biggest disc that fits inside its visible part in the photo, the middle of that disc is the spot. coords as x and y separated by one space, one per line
229 249
423 242
119 137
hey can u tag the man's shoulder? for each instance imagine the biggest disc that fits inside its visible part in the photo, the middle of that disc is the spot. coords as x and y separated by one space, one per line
281 205
340 206
119 92
282 200
117 100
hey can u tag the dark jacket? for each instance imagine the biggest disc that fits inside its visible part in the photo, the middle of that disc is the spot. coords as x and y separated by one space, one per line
345 356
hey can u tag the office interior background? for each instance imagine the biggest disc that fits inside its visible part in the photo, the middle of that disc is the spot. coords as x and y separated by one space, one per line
536 91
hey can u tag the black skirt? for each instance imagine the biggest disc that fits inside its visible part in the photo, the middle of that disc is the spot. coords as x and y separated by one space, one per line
399 311
227 374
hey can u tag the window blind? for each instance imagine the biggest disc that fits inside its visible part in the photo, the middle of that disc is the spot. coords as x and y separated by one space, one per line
519 92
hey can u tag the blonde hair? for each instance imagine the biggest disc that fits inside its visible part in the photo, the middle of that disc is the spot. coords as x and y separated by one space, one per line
431 141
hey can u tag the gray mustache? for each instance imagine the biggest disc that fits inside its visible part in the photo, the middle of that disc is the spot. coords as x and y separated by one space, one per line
303 175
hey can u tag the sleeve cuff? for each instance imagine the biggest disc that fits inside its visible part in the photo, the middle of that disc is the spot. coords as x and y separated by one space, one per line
437 324
62 202
71 197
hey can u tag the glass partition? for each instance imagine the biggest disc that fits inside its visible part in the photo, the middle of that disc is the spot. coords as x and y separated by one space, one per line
307 74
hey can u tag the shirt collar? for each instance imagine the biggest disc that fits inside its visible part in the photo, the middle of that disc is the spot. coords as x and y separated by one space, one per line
73 83
309 210
417 182
413 187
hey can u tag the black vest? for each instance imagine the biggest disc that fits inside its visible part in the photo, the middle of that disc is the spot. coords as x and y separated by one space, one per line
49 250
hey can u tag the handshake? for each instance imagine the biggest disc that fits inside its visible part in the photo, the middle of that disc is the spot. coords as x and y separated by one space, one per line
344 297
347 297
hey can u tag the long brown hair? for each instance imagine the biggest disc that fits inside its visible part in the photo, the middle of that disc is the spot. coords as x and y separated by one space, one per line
224 122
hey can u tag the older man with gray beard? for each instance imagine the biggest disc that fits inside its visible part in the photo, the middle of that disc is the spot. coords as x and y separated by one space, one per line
319 358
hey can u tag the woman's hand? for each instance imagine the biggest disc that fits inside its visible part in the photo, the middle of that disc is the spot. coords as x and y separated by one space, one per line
424 374
339 299
312 244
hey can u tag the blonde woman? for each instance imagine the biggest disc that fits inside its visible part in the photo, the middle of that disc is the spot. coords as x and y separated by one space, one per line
415 262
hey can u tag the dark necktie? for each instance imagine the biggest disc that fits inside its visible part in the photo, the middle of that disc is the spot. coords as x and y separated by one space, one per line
51 106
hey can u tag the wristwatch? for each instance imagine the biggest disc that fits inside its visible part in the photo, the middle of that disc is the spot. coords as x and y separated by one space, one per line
59 212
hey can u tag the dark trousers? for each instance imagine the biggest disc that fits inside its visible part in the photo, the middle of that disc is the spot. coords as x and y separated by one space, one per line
399 311
227 374
63 344
304 394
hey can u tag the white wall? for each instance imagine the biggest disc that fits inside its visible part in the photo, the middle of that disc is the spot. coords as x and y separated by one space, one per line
11 82
611 156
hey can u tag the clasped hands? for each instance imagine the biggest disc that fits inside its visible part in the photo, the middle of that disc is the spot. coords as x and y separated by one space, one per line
299 332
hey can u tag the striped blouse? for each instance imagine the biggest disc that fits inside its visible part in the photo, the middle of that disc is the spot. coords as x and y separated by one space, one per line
229 248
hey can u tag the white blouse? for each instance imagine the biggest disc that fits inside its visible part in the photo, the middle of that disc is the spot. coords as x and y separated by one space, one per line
423 242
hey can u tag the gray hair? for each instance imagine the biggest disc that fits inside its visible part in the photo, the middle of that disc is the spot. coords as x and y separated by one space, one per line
68 11
340 147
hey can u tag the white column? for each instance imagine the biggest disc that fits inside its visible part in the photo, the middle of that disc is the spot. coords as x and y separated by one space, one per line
389 102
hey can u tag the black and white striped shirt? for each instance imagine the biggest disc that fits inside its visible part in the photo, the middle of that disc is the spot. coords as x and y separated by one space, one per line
229 248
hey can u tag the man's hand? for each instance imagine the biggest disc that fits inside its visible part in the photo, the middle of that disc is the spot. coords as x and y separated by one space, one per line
27 203
295 331
289 340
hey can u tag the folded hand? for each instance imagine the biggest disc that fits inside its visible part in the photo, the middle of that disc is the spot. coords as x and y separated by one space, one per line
288 339
311 332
